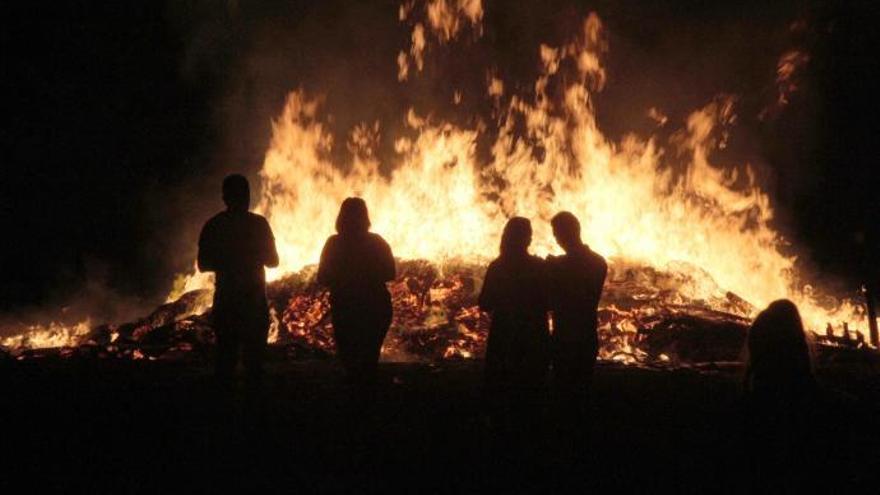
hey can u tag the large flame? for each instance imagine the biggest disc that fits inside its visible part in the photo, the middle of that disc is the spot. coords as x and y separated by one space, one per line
659 204
637 201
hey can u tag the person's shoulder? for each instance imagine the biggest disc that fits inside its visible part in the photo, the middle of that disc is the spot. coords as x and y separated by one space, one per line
377 240
553 260
596 258
538 262
494 268
214 221
332 243
257 219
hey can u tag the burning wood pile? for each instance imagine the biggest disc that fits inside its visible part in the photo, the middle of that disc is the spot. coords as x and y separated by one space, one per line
646 317
435 312
688 226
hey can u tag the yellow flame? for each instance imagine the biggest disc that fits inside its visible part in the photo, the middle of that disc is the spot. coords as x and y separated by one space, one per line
637 201
438 202
445 17
444 20
46 336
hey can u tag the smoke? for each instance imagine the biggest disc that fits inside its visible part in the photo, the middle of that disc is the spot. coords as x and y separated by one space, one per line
92 301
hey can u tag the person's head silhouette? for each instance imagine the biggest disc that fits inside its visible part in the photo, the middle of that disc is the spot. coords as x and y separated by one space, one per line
566 230
516 237
778 356
353 217
236 192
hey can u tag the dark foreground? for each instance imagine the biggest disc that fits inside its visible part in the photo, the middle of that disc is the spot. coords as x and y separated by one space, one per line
142 426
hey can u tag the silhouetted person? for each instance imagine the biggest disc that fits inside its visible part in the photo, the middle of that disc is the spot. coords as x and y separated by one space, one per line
236 245
575 280
780 399
778 366
514 294
355 265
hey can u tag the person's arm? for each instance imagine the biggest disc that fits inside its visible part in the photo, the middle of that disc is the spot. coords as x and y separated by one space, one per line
326 266
600 276
488 299
207 258
270 253
388 271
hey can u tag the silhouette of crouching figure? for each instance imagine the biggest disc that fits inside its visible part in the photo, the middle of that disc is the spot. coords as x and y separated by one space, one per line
236 245
355 265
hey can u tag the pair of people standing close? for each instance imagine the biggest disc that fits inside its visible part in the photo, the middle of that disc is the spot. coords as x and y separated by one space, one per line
519 290
355 264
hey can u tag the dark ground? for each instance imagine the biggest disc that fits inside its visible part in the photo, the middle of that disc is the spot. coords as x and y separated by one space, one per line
158 426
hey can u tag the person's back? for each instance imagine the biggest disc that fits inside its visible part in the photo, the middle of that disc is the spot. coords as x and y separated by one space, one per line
355 268
577 279
355 265
515 292
236 245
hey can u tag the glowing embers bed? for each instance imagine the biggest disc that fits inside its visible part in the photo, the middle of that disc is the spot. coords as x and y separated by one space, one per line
646 317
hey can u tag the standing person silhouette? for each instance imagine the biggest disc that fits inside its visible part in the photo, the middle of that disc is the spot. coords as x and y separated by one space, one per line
576 280
514 295
236 245
355 265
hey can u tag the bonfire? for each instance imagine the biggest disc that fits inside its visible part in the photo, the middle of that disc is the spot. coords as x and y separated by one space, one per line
692 246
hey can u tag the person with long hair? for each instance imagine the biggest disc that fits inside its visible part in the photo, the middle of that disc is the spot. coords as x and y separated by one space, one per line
355 265
782 406
779 365
514 294
778 356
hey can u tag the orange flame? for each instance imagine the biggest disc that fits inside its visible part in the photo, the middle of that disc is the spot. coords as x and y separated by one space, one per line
439 202
638 202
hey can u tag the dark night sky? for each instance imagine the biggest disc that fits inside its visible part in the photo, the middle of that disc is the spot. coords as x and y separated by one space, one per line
121 118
